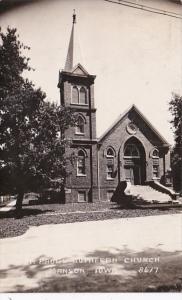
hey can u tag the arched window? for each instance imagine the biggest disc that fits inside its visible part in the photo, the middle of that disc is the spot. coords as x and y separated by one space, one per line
110 152
83 96
81 163
110 163
131 150
155 159
155 153
80 125
75 95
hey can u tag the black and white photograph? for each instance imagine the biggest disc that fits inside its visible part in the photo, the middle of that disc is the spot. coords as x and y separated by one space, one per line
90 147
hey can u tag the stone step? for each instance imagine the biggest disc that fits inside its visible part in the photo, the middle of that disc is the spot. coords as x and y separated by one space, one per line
148 194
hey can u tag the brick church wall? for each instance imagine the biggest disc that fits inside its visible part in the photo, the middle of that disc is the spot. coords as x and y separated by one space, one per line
117 138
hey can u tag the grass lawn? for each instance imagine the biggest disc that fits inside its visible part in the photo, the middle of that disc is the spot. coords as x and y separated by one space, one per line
36 215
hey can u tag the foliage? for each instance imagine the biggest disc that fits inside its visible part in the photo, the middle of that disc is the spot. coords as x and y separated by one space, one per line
32 143
175 107
12 62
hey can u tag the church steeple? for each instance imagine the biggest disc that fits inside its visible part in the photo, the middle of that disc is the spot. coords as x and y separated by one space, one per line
74 17
75 83
74 54
77 92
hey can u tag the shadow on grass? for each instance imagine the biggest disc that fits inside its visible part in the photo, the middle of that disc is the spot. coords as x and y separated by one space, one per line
99 271
41 202
25 212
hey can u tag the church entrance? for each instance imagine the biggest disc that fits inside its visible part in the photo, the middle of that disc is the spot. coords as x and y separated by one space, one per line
133 174
134 162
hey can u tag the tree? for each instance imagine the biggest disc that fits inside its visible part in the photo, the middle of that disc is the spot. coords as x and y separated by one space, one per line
32 143
175 107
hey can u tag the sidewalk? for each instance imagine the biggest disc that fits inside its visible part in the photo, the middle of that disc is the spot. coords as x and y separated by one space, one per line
153 236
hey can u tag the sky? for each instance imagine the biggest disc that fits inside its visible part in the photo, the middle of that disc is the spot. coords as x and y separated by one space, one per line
135 55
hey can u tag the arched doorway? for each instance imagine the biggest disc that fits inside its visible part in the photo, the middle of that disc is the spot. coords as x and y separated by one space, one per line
134 161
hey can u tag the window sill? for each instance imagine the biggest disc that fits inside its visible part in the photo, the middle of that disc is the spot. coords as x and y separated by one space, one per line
81 175
79 133
79 104
131 157
110 179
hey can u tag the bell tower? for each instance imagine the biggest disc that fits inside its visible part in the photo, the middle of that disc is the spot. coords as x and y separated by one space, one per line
77 91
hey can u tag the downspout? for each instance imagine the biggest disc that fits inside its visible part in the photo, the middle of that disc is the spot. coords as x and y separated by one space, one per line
91 173
98 170
164 168
91 160
119 165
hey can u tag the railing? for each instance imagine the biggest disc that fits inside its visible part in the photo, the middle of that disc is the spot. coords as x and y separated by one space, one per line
161 188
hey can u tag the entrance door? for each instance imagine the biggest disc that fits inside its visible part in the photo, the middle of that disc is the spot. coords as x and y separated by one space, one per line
132 173
134 162
134 158
137 176
129 174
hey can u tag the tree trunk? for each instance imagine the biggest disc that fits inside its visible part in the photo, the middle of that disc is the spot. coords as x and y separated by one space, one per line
19 203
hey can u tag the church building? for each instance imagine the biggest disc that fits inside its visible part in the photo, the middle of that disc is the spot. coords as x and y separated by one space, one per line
130 150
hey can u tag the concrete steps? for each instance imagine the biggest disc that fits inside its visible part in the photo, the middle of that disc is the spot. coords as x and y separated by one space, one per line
147 194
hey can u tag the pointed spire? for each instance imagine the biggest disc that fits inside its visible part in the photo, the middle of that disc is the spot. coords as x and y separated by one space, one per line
74 17
73 54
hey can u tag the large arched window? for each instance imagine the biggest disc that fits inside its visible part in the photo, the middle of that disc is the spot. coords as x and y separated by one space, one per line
80 125
81 163
131 151
75 95
83 96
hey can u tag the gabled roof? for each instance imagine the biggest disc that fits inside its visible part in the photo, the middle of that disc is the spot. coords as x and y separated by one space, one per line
122 116
80 70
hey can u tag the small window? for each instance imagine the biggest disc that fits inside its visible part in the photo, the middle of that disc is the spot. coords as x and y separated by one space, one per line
155 153
110 152
75 95
81 163
110 170
80 125
83 96
155 171
81 196
109 195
